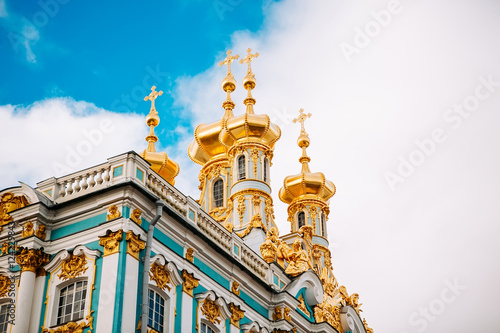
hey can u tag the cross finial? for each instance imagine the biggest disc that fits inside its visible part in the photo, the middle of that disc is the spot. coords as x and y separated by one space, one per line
301 119
248 59
229 59
152 96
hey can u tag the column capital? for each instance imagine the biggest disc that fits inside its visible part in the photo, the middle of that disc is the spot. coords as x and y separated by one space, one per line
134 244
111 242
190 282
31 259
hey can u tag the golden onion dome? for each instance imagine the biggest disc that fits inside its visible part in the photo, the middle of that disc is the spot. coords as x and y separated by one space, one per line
206 145
306 184
160 163
250 127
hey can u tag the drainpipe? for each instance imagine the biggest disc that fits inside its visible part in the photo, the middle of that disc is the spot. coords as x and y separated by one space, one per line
147 259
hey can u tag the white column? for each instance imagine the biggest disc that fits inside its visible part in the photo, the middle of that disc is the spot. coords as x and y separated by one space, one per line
36 309
130 295
24 302
107 294
234 329
187 313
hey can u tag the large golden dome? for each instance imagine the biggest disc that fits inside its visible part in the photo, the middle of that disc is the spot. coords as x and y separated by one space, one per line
306 184
250 127
206 145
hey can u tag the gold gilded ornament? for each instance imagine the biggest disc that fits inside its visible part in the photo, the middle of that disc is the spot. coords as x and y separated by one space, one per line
160 275
241 207
235 288
136 216
236 315
41 232
190 282
73 267
5 248
269 249
278 313
286 314
28 230
211 311
368 329
190 254
298 260
111 242
8 203
255 158
31 259
4 285
134 244
302 306
114 213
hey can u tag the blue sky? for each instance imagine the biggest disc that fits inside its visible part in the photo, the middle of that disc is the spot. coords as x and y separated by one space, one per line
100 51
404 97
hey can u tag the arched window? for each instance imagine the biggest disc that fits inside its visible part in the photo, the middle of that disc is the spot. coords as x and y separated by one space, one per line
323 225
219 193
156 313
265 169
241 167
206 329
301 219
71 302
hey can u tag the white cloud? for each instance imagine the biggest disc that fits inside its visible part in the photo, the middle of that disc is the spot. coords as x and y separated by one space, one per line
57 136
396 249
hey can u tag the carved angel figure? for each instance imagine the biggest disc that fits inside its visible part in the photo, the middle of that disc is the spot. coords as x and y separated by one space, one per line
298 260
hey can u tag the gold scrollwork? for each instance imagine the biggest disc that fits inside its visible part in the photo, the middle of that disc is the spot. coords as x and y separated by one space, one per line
211 311
134 244
8 203
73 267
190 282
4 285
31 259
160 275
111 242
236 315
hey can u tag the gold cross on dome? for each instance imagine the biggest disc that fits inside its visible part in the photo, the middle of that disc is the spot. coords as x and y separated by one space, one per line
301 119
229 59
152 96
248 59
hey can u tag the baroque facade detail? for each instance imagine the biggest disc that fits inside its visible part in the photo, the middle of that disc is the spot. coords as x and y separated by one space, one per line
31 259
190 282
111 242
211 311
160 275
134 244
73 267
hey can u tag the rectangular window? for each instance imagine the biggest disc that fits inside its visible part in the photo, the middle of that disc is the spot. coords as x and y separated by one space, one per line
72 302
4 318
156 311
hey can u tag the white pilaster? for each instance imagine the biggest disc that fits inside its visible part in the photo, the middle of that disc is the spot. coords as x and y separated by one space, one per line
130 295
107 294
187 313
36 309
24 302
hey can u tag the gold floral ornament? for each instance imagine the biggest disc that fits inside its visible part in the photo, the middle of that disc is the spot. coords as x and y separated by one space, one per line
236 315
136 216
211 311
160 275
190 254
73 327
28 230
8 203
31 259
73 267
114 213
235 288
298 260
41 232
134 244
190 282
4 285
111 242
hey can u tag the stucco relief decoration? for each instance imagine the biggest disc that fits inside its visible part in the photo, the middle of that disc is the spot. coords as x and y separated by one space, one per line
160 275
31 259
241 207
190 282
278 313
190 254
211 311
41 232
236 315
134 244
4 285
8 203
235 288
269 249
136 216
73 267
28 230
114 213
111 242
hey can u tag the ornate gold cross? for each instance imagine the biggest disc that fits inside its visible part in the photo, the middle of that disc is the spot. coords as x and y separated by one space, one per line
229 59
301 119
248 59
152 96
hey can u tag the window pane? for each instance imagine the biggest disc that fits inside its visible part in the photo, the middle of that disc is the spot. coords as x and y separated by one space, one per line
301 219
241 168
71 302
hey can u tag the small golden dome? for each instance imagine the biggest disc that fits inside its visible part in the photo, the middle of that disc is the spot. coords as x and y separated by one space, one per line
206 145
160 162
306 184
